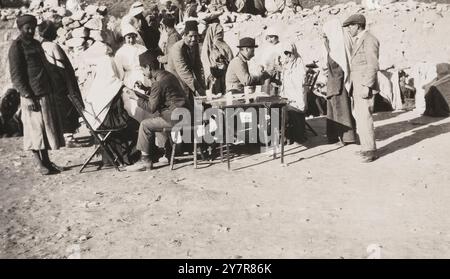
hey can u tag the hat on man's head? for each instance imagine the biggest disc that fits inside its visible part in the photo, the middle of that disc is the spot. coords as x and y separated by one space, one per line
148 58
168 21
355 19
27 18
190 25
247 42
136 8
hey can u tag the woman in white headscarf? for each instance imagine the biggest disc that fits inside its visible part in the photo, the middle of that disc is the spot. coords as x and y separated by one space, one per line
340 122
130 71
127 57
215 56
292 88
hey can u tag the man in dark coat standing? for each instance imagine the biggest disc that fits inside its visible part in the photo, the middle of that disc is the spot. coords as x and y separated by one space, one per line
31 77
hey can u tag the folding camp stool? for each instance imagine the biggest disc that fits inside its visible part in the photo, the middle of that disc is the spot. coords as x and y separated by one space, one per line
310 81
102 137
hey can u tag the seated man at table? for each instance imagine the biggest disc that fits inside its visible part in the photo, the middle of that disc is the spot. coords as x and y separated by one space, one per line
166 94
238 76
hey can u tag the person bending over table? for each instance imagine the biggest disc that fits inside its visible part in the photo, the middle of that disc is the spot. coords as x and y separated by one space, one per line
238 76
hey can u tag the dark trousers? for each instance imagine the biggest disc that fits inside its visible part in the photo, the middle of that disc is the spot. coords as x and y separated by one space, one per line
295 125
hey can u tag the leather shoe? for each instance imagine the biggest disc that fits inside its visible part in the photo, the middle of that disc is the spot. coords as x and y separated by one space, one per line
142 165
368 156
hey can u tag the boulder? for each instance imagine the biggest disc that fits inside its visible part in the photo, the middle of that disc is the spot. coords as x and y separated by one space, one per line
85 20
75 42
94 24
96 35
91 9
79 15
61 32
80 32
61 11
67 21
73 25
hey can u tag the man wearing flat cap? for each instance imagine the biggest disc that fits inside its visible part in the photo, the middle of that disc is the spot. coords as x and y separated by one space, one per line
363 77
238 76
166 95
185 63
30 75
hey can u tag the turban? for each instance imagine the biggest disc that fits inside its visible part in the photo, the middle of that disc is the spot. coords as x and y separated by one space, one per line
22 20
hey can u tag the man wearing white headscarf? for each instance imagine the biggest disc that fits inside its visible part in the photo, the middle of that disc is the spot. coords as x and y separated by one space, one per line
340 122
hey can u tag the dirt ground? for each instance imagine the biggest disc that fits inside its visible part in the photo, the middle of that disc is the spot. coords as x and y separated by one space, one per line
323 204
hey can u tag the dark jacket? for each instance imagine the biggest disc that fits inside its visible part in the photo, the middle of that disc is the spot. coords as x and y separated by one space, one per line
166 94
27 67
150 35
187 67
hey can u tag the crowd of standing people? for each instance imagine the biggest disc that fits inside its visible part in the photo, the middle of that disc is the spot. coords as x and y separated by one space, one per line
171 69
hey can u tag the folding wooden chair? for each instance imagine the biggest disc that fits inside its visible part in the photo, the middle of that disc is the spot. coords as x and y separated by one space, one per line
310 81
102 137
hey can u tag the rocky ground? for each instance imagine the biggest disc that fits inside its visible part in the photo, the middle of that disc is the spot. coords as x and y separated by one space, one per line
323 204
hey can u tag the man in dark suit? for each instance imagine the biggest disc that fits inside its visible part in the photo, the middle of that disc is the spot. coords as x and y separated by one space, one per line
363 76
166 95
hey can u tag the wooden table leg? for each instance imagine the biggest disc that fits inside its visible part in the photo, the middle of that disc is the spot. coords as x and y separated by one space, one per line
228 155
283 131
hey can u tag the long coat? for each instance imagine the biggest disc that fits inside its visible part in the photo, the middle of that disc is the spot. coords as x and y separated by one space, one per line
30 75
187 67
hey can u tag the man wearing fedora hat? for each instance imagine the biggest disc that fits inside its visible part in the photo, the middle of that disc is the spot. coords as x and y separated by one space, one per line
363 77
237 75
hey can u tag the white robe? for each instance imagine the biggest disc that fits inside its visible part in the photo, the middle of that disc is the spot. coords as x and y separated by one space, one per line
127 61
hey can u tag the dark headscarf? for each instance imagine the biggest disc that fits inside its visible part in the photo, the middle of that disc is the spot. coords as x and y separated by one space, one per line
27 18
